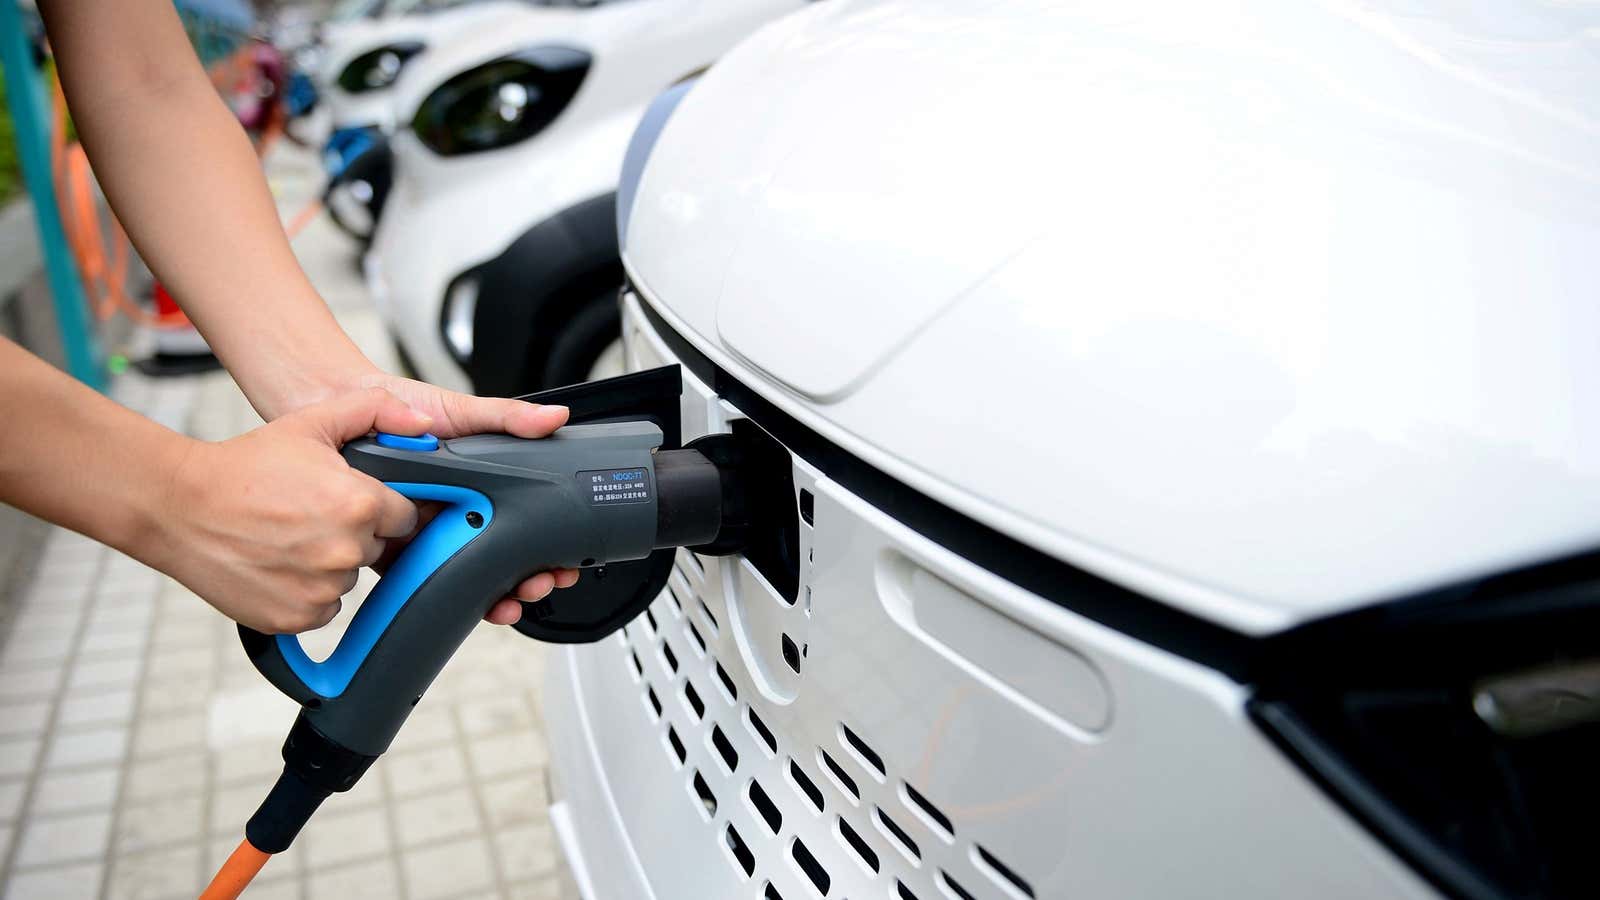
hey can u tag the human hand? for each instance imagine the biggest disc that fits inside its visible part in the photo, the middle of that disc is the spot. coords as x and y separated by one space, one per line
456 415
271 526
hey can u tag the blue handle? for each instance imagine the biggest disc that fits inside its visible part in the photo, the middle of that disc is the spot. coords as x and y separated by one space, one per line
444 537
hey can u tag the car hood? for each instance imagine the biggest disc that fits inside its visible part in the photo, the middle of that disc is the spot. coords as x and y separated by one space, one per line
1270 309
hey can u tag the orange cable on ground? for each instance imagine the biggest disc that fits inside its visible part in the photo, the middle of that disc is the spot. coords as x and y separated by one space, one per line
236 873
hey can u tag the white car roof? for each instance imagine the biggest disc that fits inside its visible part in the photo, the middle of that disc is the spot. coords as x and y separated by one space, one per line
1269 310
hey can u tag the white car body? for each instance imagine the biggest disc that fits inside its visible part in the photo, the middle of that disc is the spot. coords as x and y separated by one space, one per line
1264 313
446 214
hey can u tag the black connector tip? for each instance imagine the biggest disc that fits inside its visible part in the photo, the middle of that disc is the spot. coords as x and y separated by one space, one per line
285 811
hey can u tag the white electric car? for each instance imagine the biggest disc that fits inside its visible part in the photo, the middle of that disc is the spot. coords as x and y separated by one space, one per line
364 63
496 262
1193 419
358 83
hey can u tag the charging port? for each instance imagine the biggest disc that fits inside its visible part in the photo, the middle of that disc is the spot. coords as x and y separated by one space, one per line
760 515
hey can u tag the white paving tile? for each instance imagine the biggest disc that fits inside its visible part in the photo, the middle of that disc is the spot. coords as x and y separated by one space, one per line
43 621
60 592
100 641
494 715
527 852
426 820
18 755
157 874
177 773
517 800
423 770
11 794
517 752
373 880
105 744
92 789
55 883
36 648
96 708
172 818
30 682
448 870
45 841
118 672
335 837
159 735
24 718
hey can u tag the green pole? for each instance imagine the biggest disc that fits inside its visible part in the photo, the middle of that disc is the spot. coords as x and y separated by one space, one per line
25 90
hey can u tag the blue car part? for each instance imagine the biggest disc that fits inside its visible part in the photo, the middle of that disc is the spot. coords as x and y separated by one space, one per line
300 95
344 146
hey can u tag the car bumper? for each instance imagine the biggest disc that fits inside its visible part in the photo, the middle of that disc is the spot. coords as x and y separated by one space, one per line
915 723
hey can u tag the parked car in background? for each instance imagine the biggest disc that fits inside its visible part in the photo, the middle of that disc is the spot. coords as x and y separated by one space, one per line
357 81
1184 418
496 265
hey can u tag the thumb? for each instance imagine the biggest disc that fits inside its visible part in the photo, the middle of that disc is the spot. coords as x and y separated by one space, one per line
352 415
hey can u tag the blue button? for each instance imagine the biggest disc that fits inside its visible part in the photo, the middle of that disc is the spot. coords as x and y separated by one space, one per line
423 444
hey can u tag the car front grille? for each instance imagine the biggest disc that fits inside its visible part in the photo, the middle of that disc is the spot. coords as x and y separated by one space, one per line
795 812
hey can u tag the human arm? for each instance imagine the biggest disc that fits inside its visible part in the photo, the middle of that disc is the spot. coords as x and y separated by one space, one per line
185 182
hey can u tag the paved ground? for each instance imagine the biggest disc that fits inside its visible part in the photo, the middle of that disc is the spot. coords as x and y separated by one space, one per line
135 738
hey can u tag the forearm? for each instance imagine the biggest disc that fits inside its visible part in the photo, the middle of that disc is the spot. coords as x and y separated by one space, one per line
184 180
77 459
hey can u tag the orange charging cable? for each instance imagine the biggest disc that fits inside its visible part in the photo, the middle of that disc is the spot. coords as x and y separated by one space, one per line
105 279
236 873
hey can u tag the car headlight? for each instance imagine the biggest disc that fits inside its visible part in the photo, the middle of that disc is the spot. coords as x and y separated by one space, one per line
377 69
456 318
501 102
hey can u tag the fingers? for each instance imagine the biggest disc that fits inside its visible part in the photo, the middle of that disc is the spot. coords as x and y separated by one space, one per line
354 414
372 550
476 415
536 588
397 516
505 612
327 613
